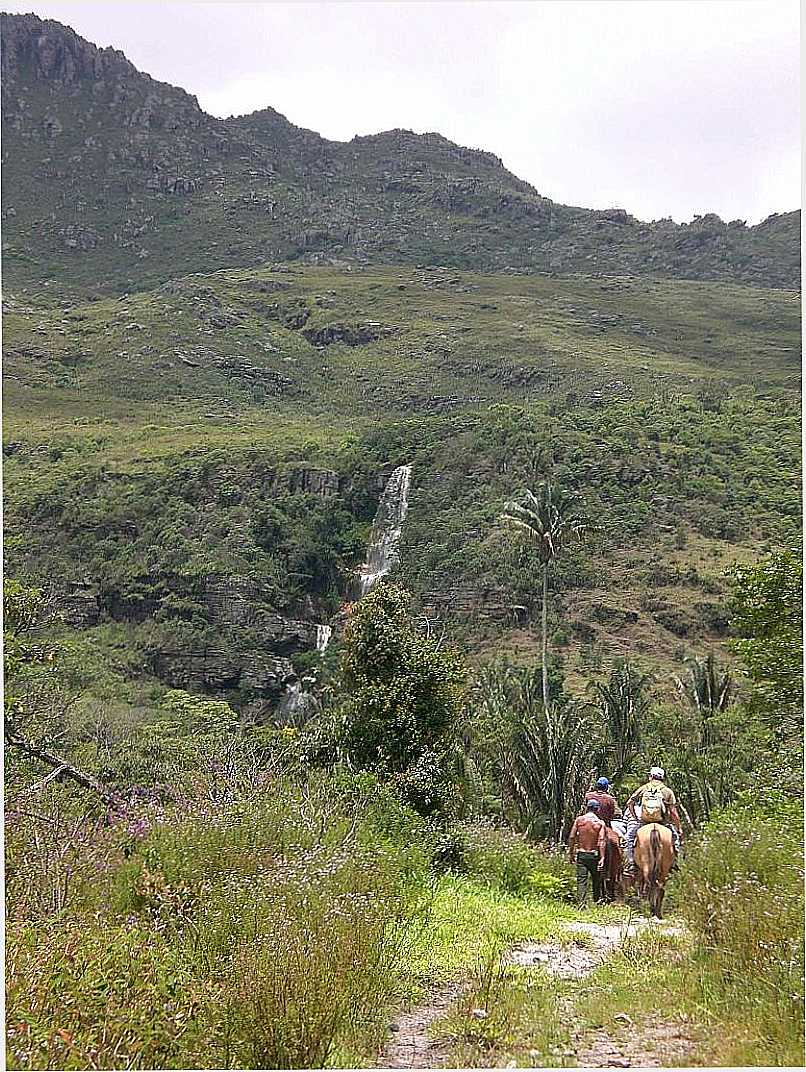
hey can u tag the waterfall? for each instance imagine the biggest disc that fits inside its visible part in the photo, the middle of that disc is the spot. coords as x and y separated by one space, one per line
382 552
323 634
296 705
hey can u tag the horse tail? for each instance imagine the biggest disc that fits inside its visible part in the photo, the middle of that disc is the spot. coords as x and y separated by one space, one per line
654 846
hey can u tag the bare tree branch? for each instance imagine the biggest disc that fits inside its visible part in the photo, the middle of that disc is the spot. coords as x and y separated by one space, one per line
63 768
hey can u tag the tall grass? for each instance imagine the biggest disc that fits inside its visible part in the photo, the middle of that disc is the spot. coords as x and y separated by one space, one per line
265 934
742 892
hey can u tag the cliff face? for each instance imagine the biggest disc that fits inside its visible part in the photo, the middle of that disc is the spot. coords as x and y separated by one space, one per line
119 181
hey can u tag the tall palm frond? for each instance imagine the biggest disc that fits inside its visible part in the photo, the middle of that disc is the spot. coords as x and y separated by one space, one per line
709 691
551 756
709 688
623 701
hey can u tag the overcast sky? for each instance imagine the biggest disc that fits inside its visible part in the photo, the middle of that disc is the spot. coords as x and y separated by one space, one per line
662 107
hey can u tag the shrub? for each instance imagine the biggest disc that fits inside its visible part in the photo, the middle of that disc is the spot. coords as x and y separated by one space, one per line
500 857
742 891
264 932
553 876
403 692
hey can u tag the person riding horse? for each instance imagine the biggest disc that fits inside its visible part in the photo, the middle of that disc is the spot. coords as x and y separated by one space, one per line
608 805
657 804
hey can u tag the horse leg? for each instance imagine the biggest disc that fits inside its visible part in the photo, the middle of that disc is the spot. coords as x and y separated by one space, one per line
656 899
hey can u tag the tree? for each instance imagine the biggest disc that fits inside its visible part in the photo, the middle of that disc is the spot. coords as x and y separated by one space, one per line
36 693
767 602
553 751
548 523
542 756
623 702
715 737
402 691
708 691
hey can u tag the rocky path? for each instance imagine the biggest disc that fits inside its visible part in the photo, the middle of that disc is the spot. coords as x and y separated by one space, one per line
410 1044
648 1045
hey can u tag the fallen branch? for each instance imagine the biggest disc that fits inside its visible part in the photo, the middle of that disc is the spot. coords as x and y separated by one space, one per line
32 815
48 778
62 768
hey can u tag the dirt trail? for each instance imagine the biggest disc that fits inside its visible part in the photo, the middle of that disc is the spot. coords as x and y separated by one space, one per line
410 1045
657 1044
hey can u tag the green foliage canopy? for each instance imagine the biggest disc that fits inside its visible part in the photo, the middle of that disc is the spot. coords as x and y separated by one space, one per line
403 692
767 618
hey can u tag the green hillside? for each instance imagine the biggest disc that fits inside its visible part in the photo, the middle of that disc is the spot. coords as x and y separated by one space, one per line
262 811
225 438
222 336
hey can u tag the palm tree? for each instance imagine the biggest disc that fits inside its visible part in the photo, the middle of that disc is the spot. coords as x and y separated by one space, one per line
550 761
622 702
541 757
547 520
710 756
709 691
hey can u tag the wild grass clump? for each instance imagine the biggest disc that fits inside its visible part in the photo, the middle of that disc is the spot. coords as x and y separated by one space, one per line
742 892
500 857
264 934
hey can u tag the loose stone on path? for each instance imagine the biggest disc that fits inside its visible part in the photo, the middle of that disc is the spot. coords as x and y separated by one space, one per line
410 1045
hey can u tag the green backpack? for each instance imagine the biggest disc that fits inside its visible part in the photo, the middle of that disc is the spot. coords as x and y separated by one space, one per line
653 806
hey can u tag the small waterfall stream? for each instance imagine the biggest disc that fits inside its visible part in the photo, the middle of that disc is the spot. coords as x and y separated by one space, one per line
382 552
323 635
297 703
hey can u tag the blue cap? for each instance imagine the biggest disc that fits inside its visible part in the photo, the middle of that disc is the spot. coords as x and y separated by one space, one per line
603 783
592 805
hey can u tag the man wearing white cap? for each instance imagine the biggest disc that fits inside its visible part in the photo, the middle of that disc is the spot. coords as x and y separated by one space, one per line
656 803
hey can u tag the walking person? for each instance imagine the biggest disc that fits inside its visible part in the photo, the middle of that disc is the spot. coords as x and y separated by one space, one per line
587 845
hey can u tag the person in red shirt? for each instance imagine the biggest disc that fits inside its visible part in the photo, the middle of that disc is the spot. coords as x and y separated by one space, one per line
608 805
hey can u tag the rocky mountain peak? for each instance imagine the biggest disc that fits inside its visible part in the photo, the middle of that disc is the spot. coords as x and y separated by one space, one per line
124 165
45 50
43 53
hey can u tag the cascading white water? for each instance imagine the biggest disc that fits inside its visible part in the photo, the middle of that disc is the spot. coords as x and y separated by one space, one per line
323 635
387 527
296 705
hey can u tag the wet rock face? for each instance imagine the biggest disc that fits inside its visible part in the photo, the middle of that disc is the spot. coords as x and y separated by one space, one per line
310 481
79 606
220 671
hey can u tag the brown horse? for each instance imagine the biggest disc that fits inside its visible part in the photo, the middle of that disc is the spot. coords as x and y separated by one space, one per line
654 856
612 876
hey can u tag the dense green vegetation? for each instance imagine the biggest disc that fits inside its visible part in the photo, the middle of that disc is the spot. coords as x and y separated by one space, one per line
230 843
269 906
168 482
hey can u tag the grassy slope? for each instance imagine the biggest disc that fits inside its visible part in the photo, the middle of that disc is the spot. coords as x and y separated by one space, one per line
604 375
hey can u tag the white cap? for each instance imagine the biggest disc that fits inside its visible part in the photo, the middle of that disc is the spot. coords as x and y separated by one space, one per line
657 772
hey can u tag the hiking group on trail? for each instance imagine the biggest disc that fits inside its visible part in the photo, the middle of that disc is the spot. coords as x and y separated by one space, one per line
642 848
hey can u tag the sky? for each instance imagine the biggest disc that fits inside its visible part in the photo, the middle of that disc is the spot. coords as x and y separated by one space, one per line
661 107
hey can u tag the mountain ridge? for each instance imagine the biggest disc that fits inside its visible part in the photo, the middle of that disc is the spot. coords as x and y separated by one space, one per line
133 183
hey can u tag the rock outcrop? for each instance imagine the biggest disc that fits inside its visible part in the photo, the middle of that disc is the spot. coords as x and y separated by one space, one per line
84 128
